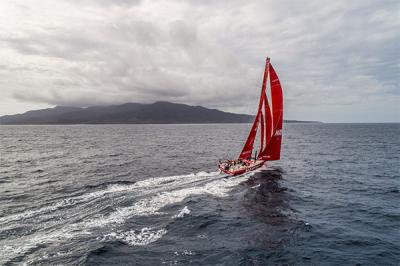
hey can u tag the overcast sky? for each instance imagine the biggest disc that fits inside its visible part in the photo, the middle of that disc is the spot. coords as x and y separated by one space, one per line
338 61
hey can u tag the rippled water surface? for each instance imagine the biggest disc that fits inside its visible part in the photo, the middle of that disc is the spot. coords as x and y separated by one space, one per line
151 195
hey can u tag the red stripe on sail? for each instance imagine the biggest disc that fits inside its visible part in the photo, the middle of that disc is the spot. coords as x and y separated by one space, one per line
262 133
268 127
268 121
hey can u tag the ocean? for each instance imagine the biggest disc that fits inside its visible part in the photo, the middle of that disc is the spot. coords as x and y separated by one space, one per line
152 195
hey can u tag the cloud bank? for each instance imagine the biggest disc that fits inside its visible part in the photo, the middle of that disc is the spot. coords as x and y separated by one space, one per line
337 60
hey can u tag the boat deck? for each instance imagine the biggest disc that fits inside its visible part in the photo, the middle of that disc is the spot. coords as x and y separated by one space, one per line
237 167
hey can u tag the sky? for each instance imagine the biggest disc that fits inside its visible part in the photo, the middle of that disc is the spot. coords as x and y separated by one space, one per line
338 61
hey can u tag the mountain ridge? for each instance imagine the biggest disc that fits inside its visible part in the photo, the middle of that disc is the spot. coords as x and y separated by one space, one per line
159 112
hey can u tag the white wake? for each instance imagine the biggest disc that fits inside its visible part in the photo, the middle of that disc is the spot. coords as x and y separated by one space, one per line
152 195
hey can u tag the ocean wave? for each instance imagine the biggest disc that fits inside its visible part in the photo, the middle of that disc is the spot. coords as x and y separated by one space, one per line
141 237
182 212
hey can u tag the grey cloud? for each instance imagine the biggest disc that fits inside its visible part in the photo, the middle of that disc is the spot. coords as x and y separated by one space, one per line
107 3
209 53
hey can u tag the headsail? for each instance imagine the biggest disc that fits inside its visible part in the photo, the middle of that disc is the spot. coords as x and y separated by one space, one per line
271 123
248 146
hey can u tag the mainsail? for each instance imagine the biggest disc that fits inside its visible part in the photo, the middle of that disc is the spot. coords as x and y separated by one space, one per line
272 150
271 123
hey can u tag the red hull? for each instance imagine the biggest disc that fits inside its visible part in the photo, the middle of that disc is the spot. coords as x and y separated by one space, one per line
241 169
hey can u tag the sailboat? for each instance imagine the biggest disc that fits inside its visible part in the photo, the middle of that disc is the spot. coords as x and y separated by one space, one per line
270 118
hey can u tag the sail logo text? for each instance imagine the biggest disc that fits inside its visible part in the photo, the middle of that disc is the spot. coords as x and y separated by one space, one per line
278 132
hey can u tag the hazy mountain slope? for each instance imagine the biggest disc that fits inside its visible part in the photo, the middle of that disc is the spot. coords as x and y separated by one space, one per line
129 113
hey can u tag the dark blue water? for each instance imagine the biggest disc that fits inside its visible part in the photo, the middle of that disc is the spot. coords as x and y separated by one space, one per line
151 195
